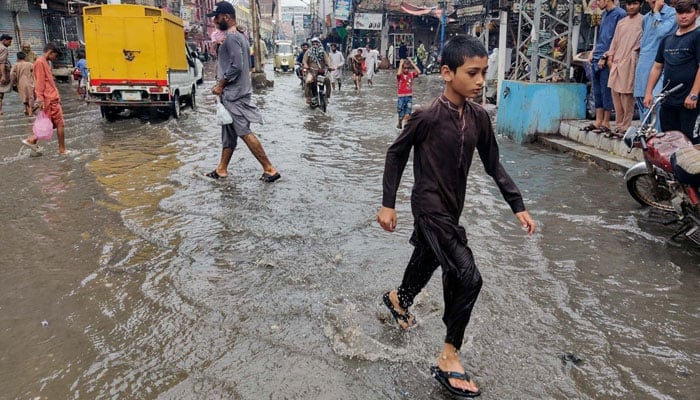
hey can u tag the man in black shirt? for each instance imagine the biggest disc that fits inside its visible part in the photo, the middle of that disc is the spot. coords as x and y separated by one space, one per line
678 58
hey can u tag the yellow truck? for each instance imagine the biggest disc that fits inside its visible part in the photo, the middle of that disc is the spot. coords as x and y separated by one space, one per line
137 57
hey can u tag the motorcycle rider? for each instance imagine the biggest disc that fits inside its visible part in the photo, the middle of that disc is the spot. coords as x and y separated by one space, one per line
300 57
314 59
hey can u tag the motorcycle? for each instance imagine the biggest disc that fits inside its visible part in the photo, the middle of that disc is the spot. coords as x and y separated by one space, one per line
433 66
669 177
318 91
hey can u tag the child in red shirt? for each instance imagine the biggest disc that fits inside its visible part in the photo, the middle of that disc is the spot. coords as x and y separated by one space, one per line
404 78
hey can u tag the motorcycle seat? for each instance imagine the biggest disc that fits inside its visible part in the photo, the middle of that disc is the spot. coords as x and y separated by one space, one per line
686 165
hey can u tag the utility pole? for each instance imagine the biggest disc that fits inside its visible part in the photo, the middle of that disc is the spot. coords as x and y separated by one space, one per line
258 76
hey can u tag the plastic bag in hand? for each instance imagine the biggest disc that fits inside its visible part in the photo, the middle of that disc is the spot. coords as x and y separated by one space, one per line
43 128
223 117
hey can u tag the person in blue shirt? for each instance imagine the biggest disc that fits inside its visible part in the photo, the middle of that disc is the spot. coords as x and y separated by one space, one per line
612 14
82 67
657 23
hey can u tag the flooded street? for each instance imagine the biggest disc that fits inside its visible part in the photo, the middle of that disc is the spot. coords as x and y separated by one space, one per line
126 274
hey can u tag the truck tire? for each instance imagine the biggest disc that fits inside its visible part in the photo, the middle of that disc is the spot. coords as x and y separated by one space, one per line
175 106
192 100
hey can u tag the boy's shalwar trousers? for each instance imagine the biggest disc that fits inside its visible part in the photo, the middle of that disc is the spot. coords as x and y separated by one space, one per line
440 241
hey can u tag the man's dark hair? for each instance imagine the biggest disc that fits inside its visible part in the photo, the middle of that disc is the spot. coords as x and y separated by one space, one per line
633 1
460 48
686 6
21 55
52 47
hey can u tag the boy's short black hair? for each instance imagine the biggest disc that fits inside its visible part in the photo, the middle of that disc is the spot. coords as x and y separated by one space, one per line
21 55
686 6
53 47
461 47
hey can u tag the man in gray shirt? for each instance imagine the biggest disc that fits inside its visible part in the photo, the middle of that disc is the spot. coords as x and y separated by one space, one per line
234 87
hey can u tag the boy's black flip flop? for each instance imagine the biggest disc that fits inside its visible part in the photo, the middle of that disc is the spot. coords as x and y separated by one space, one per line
270 178
589 127
403 317
214 175
443 377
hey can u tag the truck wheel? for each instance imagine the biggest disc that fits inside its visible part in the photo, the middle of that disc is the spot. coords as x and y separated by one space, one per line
192 100
175 106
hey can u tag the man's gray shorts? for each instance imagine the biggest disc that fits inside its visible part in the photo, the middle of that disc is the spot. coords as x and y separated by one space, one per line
231 132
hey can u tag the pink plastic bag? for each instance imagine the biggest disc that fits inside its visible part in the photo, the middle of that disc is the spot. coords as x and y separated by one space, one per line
43 128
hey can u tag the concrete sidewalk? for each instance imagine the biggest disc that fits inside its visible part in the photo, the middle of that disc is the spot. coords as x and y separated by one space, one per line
609 153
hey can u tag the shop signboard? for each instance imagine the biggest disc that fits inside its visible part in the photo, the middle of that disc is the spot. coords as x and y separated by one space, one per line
368 21
342 9
470 11
307 21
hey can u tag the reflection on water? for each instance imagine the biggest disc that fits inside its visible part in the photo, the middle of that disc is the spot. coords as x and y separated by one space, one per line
157 282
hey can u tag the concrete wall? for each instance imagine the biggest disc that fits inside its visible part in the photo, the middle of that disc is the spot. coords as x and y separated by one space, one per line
527 109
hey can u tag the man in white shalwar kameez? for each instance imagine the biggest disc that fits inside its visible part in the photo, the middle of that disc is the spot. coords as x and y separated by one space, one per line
371 61
337 61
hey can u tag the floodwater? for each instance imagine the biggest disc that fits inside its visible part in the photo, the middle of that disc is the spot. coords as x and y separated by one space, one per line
128 275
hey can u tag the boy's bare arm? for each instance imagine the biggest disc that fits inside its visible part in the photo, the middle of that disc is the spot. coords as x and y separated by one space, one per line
526 221
387 218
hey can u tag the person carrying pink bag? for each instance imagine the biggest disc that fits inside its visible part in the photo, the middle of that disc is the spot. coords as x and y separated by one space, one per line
47 97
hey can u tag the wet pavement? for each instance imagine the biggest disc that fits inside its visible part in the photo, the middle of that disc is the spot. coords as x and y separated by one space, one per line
127 274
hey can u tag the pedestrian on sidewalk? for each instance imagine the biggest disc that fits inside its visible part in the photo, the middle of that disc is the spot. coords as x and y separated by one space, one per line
612 14
21 77
47 97
440 174
5 67
622 61
234 86
678 58
404 83
656 24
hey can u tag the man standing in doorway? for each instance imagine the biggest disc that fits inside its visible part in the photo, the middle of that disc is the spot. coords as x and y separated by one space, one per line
234 87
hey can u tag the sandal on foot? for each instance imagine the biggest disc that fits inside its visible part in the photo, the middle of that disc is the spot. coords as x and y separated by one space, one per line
589 127
270 178
214 175
602 129
403 317
30 145
444 376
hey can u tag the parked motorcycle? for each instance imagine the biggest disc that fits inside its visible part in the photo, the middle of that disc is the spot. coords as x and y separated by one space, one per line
669 176
319 91
433 66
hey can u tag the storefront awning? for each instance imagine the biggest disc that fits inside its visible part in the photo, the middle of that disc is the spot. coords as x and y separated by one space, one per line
415 10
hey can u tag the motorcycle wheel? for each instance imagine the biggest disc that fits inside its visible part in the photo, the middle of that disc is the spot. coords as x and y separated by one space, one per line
322 101
645 191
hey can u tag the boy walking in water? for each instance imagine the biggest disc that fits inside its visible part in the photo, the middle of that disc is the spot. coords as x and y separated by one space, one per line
47 97
443 137
404 78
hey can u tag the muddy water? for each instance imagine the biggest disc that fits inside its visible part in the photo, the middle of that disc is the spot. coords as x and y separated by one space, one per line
126 274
